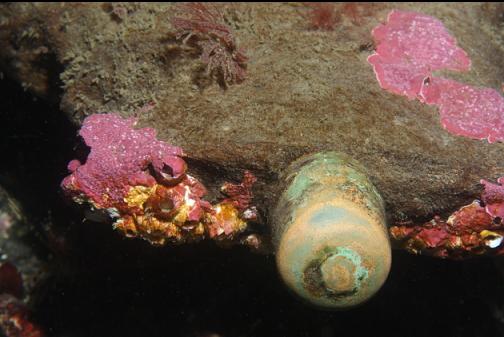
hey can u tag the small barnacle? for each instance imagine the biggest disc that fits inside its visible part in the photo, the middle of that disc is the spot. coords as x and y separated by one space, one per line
492 239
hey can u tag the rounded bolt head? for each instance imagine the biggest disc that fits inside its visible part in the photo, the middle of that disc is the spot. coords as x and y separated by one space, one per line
334 256
338 274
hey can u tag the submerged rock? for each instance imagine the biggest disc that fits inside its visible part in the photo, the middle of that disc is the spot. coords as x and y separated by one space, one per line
305 91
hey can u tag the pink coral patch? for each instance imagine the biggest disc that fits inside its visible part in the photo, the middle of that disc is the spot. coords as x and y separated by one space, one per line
409 47
119 155
465 110
420 40
399 78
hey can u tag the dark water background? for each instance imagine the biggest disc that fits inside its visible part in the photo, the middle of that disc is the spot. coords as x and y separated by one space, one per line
103 285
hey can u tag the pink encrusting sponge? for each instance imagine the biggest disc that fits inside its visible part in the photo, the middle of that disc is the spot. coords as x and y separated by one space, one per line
409 47
466 110
119 157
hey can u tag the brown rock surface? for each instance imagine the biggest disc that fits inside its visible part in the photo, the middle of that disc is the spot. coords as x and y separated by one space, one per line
305 91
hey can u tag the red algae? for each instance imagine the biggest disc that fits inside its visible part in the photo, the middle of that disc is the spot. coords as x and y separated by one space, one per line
326 15
15 318
215 39
473 230
322 15
240 195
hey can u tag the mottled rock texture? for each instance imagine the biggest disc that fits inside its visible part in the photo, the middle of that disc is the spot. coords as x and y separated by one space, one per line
305 91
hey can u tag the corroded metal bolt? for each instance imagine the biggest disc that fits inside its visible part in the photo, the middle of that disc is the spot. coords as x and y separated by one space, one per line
332 246
338 274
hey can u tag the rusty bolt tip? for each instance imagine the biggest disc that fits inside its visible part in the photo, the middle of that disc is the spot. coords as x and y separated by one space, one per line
338 274
332 247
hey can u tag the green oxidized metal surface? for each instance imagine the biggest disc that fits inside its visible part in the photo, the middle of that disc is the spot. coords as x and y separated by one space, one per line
329 231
